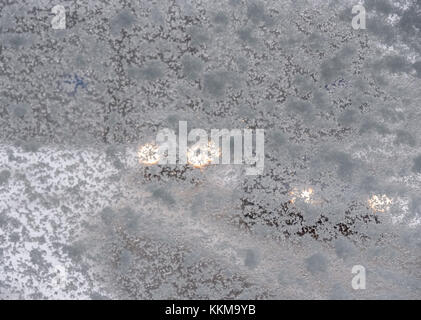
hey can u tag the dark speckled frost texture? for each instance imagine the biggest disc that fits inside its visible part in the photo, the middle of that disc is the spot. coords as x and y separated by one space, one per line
81 218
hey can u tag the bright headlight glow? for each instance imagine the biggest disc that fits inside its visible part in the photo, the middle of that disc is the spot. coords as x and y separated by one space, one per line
379 203
199 157
306 194
148 154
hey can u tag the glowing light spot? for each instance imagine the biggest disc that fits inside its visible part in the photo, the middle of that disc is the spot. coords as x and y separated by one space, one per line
305 194
199 157
148 154
379 203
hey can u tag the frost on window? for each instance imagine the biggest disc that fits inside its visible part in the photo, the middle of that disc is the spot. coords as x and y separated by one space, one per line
88 211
